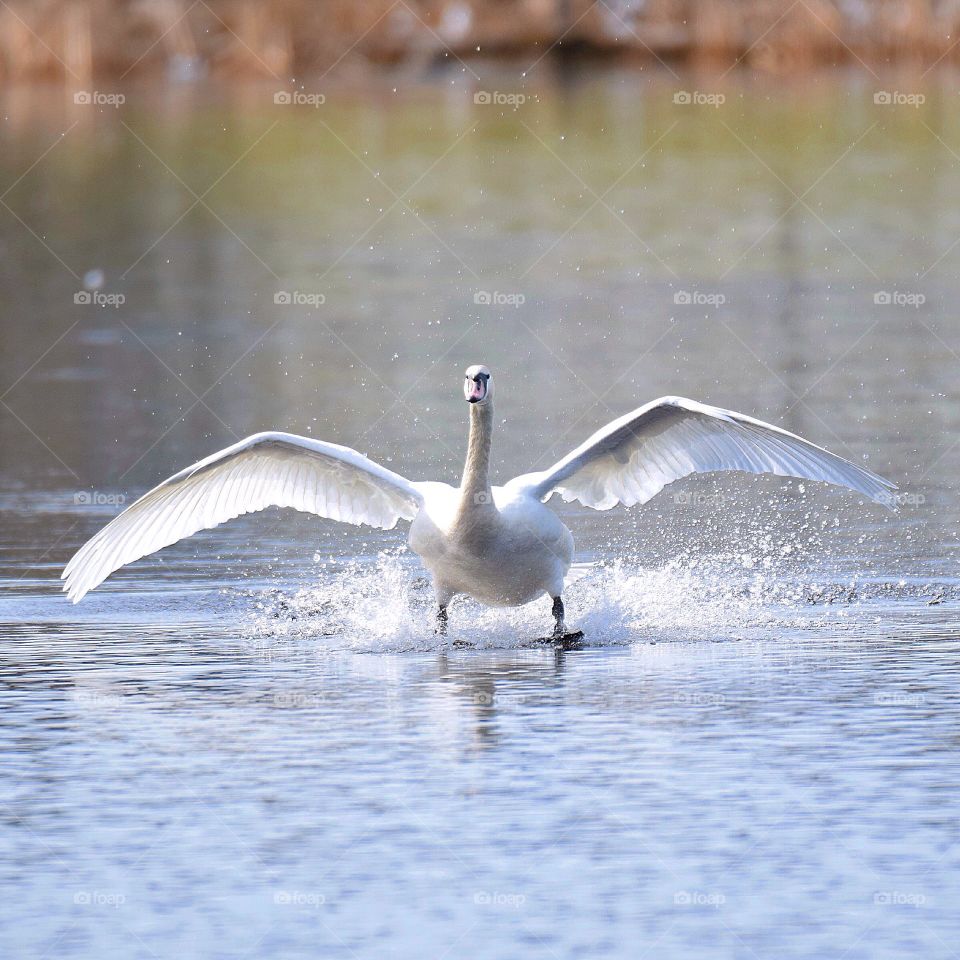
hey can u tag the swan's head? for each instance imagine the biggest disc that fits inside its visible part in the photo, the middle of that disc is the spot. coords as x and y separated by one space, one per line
478 387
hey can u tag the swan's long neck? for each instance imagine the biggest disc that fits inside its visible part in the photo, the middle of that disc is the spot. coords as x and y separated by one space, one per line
475 486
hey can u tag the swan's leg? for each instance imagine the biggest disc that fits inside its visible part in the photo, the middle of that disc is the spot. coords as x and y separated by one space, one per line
560 639
558 629
442 626
444 595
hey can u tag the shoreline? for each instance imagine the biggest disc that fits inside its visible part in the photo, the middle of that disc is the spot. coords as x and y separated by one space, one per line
80 41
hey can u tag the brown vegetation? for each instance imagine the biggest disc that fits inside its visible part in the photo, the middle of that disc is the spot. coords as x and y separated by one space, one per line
78 39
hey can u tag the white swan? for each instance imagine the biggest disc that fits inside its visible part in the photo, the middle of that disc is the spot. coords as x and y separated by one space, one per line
500 545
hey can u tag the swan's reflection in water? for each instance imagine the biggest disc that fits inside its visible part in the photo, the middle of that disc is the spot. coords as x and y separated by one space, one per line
479 688
237 771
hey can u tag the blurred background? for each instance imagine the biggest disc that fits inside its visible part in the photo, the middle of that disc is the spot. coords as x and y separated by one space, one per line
220 218
244 38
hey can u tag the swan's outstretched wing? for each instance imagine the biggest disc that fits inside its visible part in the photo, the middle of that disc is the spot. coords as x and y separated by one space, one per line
632 459
265 470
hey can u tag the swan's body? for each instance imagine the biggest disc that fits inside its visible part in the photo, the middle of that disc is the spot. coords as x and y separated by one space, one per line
505 556
501 545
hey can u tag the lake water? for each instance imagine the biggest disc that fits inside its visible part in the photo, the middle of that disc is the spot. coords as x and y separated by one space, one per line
252 745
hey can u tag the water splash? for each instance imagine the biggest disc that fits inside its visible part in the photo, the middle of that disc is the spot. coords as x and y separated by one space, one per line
386 605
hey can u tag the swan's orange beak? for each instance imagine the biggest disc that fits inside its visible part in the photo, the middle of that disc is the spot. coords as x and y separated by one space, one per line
476 390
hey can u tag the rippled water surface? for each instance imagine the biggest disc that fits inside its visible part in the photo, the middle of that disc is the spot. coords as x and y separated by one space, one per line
252 744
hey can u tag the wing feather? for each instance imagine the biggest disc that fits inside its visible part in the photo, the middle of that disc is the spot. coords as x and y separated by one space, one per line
267 469
633 458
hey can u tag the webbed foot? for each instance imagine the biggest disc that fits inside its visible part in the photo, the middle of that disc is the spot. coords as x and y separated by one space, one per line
560 641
